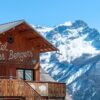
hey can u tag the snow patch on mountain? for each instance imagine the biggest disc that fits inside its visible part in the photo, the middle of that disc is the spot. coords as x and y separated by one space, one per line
42 30
45 29
74 32
68 23
77 74
75 49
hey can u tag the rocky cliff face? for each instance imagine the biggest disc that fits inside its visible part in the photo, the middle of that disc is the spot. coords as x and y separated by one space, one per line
78 61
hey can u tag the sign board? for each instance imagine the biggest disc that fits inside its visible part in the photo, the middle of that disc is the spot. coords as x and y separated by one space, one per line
10 56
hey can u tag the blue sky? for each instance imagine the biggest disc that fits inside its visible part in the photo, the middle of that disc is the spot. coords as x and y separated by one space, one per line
51 12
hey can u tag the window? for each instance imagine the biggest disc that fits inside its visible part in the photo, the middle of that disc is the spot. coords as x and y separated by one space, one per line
10 39
25 74
29 75
20 74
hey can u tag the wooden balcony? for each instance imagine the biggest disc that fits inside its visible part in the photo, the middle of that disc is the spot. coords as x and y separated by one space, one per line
51 90
17 88
24 90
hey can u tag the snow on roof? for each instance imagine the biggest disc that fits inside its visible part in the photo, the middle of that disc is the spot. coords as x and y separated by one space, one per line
8 26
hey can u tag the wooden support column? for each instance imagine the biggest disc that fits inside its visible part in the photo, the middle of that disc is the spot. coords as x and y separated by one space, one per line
37 71
37 75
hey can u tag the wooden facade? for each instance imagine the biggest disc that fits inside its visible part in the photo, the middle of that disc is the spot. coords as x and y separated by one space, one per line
20 48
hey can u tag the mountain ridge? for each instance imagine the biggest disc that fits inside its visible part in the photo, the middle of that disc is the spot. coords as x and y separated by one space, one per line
78 58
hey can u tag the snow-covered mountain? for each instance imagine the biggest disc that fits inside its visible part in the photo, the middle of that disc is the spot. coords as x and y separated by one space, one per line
78 60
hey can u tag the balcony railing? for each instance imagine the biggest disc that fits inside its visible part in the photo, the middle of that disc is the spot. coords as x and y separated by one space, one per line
17 88
12 87
50 89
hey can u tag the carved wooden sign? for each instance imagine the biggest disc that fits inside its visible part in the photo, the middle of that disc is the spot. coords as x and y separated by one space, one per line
10 55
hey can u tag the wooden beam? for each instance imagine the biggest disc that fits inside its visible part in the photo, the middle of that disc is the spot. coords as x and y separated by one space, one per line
34 38
25 31
42 51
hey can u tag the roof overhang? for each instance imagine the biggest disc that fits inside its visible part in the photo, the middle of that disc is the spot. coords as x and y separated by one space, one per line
32 35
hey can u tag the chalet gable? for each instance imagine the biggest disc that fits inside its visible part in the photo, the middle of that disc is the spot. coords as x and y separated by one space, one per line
23 28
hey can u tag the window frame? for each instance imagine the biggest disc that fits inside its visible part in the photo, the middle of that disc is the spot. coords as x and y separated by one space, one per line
24 75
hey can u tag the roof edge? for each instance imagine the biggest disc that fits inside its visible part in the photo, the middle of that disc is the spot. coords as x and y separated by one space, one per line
41 36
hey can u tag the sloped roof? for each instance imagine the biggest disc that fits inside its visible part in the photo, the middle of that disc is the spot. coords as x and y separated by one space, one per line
7 26
46 46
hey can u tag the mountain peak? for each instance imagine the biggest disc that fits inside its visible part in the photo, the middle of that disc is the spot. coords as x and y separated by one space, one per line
78 60
79 23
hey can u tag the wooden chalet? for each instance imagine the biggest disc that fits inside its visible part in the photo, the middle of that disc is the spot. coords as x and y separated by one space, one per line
20 48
